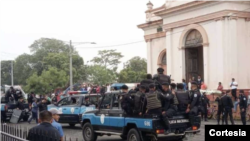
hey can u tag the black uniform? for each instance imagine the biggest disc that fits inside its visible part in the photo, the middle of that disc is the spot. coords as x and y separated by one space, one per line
20 106
243 108
127 103
204 104
146 83
220 110
169 107
195 105
183 99
227 104
139 103
11 95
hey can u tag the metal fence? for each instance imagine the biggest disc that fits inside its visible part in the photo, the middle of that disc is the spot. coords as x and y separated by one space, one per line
18 133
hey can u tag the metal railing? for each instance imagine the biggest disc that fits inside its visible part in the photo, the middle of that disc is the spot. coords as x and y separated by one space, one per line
13 133
18 133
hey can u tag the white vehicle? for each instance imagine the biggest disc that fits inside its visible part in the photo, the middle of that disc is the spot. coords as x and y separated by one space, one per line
7 87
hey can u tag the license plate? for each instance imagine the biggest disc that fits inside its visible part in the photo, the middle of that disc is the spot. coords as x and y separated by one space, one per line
178 121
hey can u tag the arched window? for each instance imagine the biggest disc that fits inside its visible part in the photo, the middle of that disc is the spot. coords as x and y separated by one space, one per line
194 39
164 59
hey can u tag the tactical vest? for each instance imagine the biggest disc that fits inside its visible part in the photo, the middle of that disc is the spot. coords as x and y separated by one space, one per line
153 102
183 97
164 79
138 101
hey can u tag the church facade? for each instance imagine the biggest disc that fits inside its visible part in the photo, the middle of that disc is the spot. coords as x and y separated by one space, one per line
210 39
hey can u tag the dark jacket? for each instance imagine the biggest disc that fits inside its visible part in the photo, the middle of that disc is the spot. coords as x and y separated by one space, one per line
43 132
195 98
243 102
20 105
42 107
168 99
227 102
127 103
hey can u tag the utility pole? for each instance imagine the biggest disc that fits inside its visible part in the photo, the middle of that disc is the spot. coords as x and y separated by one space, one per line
70 66
12 82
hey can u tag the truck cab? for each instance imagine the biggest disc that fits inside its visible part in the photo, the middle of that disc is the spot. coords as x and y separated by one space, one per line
109 119
74 105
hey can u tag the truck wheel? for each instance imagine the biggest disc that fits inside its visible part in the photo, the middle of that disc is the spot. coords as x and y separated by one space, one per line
88 132
72 124
123 137
133 135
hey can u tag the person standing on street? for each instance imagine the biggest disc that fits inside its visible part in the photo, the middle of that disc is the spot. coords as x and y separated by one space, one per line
20 106
234 86
44 131
220 109
55 114
243 106
34 110
204 104
227 104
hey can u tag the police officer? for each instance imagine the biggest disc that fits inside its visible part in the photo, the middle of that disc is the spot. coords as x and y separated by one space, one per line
139 98
220 109
169 108
11 95
227 104
204 104
194 105
182 96
147 82
243 106
127 102
163 78
20 106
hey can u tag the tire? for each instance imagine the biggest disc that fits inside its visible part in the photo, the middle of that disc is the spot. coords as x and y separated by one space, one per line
88 132
133 135
72 124
123 137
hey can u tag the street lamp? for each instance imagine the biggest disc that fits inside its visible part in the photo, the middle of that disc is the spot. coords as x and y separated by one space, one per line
70 63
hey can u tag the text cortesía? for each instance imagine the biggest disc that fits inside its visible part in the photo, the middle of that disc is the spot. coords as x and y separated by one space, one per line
213 132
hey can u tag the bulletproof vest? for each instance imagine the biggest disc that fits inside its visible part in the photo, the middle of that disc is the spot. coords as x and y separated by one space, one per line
137 100
153 102
164 79
183 97
198 94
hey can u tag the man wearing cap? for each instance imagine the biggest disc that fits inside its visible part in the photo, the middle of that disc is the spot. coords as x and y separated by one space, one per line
243 106
227 104
194 106
163 78
127 102
55 114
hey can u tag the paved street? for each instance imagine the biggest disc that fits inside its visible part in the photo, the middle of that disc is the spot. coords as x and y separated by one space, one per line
76 133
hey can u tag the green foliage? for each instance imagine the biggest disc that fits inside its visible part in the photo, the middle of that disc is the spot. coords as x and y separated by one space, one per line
97 74
47 82
5 72
108 58
135 71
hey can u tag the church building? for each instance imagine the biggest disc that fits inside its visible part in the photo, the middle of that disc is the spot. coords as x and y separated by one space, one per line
210 39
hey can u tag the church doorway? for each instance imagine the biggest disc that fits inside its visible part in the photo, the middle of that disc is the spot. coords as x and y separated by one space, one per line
194 55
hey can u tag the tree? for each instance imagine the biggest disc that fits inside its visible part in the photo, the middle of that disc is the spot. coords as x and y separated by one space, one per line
135 71
22 69
49 80
5 72
97 74
108 58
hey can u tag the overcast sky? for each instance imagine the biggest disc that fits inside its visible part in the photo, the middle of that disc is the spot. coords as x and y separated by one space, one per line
106 22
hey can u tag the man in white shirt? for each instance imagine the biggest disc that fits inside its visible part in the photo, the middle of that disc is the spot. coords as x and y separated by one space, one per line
234 86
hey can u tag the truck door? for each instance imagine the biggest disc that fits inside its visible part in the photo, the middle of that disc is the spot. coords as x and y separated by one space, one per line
102 115
116 115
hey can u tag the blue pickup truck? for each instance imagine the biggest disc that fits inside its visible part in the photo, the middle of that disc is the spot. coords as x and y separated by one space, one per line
73 106
109 119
